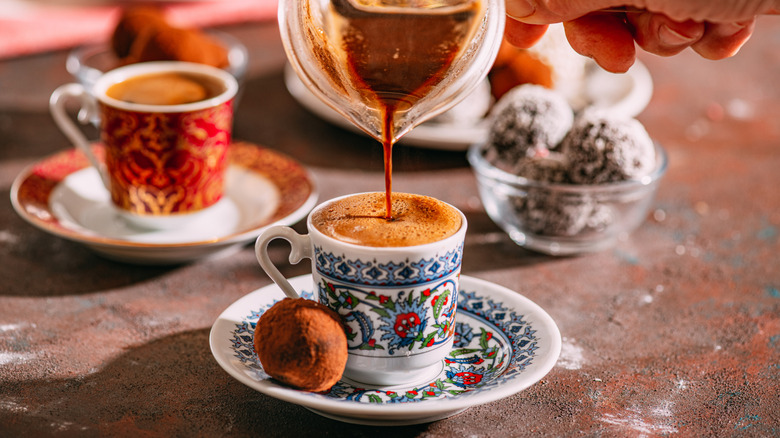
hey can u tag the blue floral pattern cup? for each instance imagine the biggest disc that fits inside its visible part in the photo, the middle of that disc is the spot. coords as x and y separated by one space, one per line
398 303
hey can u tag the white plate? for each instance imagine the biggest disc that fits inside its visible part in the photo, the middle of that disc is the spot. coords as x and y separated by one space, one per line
63 195
626 94
504 343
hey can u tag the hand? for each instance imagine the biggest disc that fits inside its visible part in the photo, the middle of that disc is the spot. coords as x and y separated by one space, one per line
606 30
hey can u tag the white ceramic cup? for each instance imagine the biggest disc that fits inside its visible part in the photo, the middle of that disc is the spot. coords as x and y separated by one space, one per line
164 164
398 303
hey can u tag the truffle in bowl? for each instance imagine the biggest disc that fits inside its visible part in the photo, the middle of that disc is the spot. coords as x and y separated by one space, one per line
565 194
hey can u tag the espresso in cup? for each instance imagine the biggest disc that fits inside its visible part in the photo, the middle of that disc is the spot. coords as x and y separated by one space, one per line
360 220
394 282
167 88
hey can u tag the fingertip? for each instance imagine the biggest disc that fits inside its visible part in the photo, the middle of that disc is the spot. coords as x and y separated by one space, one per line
723 40
518 9
660 35
603 38
615 65
523 35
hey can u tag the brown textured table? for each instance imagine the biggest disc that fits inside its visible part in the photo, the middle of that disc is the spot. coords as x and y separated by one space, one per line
674 331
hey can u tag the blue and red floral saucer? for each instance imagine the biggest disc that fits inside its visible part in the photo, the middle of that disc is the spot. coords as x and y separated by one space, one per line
504 343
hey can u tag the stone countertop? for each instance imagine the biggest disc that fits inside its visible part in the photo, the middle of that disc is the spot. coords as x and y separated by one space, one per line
676 330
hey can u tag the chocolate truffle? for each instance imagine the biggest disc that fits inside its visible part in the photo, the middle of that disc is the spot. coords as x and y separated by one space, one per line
560 214
142 34
527 121
133 22
551 168
302 343
550 62
165 43
601 149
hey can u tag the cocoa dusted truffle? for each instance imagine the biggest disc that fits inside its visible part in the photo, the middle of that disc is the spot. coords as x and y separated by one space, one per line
535 135
551 63
603 149
142 34
302 343
544 167
561 214
514 67
166 43
132 23
528 121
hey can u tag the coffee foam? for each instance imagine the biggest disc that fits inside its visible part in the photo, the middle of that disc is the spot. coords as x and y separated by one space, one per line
360 220
162 89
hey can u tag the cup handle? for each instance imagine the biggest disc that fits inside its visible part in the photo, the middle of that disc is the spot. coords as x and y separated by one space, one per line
300 248
87 112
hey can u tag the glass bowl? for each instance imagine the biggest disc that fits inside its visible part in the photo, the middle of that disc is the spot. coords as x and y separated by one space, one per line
564 219
87 63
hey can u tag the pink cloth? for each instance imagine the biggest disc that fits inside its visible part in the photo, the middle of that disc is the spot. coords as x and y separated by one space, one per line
28 27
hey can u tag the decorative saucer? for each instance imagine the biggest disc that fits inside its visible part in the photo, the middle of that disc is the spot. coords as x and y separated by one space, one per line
625 94
63 195
504 343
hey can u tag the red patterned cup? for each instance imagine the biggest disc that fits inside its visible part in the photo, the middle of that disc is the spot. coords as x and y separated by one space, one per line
165 162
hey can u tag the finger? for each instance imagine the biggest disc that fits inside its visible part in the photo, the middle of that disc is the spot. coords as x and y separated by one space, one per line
714 11
523 35
723 40
603 37
555 11
659 34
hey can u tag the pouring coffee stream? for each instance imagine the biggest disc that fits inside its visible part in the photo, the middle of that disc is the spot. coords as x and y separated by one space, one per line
389 65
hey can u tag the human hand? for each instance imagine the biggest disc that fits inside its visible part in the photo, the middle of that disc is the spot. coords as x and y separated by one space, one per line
606 30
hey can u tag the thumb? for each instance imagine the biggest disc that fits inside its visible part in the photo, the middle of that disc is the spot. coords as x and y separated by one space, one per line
555 11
